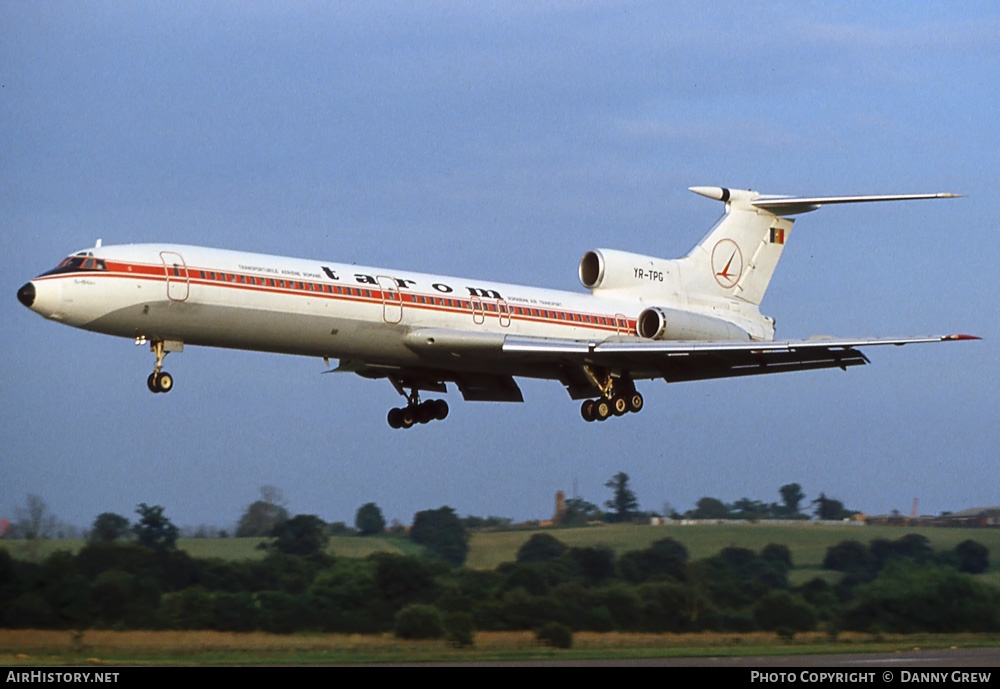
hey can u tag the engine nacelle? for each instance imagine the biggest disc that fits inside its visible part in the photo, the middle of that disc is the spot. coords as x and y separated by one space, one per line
610 269
661 323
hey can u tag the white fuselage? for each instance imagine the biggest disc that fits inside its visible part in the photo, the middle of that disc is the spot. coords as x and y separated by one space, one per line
218 298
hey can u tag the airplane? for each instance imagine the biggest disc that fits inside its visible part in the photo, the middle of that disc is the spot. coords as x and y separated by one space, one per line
692 318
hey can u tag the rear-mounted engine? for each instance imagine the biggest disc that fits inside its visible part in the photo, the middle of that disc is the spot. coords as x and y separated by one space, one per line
602 269
661 323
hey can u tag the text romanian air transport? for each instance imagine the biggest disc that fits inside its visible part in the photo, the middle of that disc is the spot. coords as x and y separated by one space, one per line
691 318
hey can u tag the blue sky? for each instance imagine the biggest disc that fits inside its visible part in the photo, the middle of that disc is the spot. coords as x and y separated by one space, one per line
502 140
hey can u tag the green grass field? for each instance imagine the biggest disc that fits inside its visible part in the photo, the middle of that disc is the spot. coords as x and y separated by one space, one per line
97 648
808 542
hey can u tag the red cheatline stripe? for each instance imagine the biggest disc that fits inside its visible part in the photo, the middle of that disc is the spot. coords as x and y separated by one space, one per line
157 273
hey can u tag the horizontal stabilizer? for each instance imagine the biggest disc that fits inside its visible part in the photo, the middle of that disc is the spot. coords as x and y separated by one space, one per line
792 205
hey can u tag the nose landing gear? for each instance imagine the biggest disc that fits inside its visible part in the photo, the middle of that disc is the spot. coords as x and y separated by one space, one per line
159 380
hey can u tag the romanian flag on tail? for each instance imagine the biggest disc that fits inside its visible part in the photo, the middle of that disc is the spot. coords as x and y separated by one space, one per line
777 235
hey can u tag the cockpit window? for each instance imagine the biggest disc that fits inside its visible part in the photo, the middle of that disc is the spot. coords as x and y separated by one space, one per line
78 264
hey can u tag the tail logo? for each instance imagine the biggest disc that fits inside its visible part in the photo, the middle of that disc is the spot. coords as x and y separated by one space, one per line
727 263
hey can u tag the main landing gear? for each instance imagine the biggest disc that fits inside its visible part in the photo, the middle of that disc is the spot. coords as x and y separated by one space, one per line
603 408
412 414
159 380
618 396
415 411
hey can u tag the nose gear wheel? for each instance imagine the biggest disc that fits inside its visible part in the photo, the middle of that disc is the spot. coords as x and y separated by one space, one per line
159 380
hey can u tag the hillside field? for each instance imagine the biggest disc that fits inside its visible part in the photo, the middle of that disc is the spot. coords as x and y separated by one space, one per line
808 542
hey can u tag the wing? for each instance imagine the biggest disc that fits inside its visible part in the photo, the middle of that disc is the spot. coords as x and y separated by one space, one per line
483 365
685 361
475 385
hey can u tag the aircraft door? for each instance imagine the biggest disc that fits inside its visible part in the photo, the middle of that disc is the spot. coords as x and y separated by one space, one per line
621 324
478 313
504 313
392 300
176 270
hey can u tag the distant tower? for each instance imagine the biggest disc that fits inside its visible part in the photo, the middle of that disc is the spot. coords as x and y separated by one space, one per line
915 513
560 508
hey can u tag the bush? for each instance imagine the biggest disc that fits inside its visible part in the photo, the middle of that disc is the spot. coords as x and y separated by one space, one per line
283 613
737 577
907 598
518 609
972 557
459 629
531 578
852 557
594 564
418 621
664 559
29 611
153 529
778 555
780 611
369 520
303 534
555 635
233 612
109 527
188 609
442 533
667 606
541 547
401 580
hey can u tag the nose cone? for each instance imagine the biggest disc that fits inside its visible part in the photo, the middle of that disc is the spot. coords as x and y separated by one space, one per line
26 295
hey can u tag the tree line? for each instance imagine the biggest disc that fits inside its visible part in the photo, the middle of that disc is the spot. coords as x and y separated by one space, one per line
145 582
624 506
35 521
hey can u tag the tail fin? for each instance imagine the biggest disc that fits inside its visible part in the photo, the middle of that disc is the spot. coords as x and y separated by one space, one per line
737 257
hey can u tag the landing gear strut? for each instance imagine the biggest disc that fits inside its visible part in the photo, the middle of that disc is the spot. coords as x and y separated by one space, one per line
618 397
159 380
416 411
